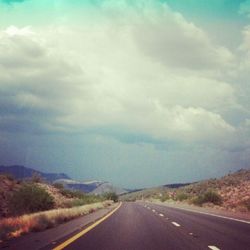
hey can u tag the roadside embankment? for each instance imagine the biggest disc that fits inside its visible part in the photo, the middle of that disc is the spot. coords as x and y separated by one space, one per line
16 226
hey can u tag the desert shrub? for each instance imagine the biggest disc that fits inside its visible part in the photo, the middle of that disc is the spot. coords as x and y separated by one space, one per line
87 199
213 197
231 182
208 196
40 223
246 203
181 196
30 198
198 200
111 196
164 197
67 193
78 202
131 199
10 177
72 193
36 178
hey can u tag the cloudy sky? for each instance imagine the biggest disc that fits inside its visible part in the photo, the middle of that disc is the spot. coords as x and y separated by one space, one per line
138 93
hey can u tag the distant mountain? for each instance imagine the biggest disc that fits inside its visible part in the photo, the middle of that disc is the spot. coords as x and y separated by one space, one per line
177 185
94 187
106 187
78 185
21 172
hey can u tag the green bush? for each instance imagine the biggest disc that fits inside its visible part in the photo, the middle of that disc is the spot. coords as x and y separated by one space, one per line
164 197
198 200
213 197
111 196
79 197
87 199
80 202
72 193
209 196
30 198
181 196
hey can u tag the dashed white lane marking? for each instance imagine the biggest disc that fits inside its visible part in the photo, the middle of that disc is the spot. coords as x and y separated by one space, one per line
213 247
149 208
153 210
215 215
190 233
176 224
161 215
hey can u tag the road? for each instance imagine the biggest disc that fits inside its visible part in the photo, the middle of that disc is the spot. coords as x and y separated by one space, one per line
140 226
147 226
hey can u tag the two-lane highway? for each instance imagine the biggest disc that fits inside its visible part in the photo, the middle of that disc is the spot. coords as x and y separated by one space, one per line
146 226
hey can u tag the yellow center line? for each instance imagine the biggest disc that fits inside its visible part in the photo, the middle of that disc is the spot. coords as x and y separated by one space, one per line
80 234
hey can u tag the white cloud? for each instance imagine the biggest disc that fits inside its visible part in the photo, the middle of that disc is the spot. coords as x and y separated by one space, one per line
14 31
153 73
172 40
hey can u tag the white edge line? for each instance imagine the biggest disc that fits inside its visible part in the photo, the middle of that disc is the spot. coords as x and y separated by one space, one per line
176 224
213 247
215 215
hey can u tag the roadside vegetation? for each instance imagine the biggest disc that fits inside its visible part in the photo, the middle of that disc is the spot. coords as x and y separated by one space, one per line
111 196
30 198
16 226
34 205
208 197
230 192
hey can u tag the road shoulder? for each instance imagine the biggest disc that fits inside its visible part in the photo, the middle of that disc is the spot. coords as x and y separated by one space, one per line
205 210
52 236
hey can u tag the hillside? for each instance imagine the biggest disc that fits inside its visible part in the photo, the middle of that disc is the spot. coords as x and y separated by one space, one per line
62 198
231 192
233 188
93 187
21 172
9 185
28 206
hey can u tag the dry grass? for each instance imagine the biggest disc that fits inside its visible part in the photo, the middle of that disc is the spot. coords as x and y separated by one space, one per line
14 227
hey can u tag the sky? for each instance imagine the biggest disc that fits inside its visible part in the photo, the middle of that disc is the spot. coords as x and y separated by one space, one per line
138 93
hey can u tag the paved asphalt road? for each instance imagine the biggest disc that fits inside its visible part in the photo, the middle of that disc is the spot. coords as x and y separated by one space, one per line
146 226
